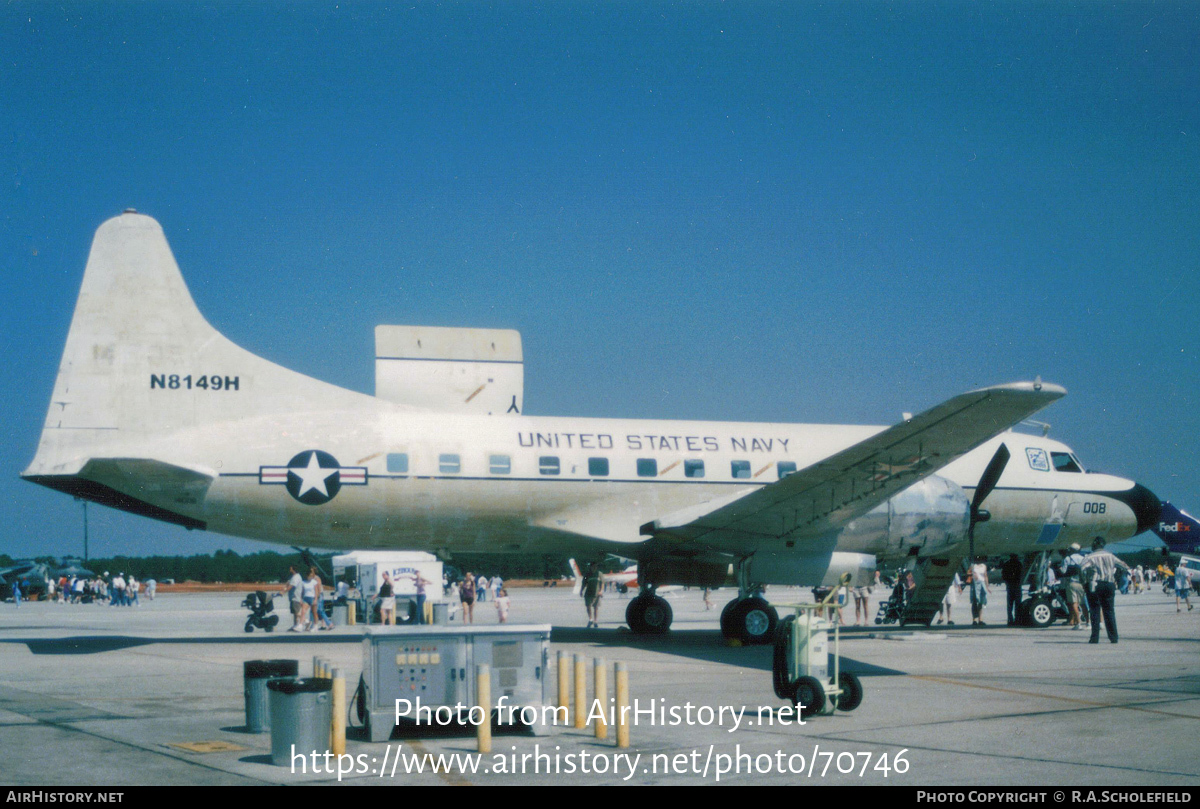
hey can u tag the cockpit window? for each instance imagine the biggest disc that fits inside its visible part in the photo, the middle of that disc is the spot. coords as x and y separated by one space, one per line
1065 462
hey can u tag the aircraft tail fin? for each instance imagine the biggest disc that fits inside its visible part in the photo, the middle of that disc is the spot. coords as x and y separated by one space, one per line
576 575
1178 529
141 360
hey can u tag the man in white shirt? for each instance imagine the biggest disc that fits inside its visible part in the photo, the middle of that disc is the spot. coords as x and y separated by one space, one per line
1099 572
295 599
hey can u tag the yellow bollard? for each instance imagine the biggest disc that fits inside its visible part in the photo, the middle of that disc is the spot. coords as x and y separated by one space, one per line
600 674
351 613
580 692
564 684
622 705
483 688
338 740
316 667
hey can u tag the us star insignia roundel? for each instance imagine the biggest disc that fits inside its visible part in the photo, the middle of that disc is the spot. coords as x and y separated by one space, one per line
313 477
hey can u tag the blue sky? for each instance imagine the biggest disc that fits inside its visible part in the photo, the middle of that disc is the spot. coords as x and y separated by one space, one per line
746 211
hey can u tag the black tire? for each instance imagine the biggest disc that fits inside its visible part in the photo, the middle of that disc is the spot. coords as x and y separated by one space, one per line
622 589
407 614
658 615
726 627
808 695
852 692
1040 612
250 627
753 621
269 628
649 615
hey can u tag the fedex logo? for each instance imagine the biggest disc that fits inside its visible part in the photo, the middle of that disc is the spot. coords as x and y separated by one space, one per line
1174 528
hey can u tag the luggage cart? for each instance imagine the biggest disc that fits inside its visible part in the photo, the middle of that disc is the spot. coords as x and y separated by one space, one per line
800 670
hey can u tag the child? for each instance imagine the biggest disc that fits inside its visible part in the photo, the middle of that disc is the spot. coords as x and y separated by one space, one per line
502 605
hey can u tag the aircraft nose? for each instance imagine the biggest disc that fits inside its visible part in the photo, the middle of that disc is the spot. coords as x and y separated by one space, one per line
1146 506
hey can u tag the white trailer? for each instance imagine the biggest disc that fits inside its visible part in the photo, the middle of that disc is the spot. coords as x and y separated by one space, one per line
367 569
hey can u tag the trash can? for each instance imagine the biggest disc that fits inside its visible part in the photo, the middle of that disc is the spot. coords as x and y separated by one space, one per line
255 674
441 613
301 718
341 615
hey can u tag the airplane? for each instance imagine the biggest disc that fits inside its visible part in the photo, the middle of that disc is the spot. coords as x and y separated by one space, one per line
30 573
624 580
156 413
1178 530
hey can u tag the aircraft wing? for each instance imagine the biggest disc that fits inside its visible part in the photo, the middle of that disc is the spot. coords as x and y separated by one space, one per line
846 485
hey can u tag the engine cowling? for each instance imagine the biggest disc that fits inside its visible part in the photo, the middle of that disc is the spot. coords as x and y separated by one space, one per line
930 516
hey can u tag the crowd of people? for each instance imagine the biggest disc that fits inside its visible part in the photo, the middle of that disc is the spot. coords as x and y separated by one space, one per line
119 590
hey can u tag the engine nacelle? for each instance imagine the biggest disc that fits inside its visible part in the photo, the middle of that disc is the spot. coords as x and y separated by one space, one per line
930 516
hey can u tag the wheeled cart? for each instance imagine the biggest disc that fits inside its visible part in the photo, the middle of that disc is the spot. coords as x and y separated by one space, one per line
801 670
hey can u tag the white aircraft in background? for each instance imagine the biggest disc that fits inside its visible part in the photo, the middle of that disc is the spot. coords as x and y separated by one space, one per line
156 413
623 580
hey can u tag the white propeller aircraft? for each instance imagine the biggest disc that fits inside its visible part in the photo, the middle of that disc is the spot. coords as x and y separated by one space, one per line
156 413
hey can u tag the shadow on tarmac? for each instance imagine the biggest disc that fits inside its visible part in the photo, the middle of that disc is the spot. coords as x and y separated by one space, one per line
699 644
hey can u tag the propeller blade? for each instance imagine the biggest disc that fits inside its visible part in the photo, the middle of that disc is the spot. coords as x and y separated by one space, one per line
991 476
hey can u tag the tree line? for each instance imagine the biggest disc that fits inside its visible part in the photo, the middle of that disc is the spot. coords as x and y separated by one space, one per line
270 566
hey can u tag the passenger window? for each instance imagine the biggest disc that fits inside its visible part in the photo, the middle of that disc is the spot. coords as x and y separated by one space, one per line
740 469
548 465
1063 462
598 467
449 464
786 468
397 463
693 469
499 464
647 467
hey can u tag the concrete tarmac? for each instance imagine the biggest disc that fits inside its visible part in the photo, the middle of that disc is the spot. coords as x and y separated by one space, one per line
98 695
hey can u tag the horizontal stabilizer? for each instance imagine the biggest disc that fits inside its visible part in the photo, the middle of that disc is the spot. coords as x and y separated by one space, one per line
140 486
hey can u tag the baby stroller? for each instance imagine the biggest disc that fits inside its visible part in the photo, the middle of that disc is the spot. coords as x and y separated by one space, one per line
261 606
892 610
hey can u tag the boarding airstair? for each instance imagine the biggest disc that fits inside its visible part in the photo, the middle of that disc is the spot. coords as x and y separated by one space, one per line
933 575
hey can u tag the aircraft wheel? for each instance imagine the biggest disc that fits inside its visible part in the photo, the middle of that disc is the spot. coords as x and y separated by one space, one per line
1040 612
808 694
726 626
852 692
649 615
753 621
622 589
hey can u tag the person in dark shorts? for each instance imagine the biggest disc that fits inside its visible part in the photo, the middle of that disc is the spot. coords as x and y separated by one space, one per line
591 591
466 594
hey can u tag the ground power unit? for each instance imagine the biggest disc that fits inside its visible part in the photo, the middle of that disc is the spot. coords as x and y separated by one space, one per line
436 665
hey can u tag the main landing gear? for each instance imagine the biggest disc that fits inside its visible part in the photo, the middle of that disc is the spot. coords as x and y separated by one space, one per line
649 614
748 618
